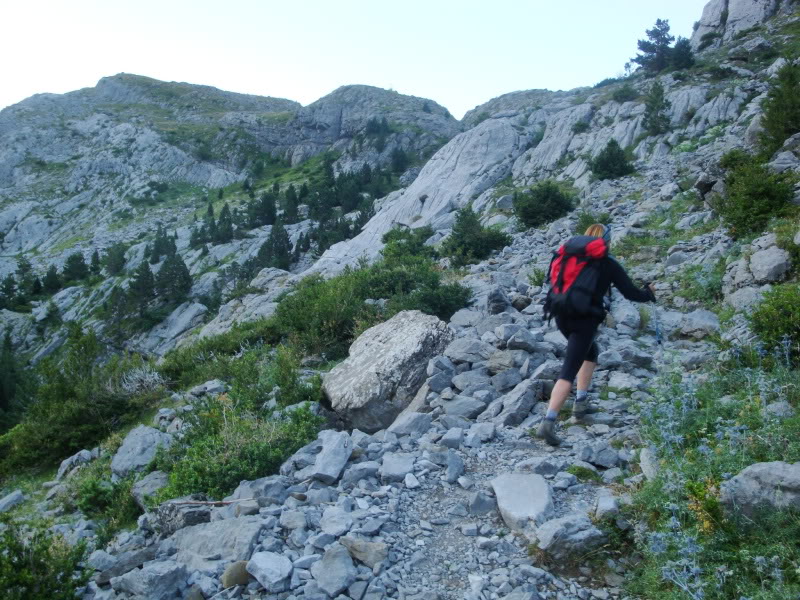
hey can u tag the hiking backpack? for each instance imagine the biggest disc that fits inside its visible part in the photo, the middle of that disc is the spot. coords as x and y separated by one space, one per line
574 278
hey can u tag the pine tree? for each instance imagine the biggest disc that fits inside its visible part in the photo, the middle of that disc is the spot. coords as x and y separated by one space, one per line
9 376
25 276
95 266
656 119
290 214
114 259
75 268
210 224
8 291
681 56
173 281
52 281
611 162
277 250
224 232
781 118
142 287
655 50
37 287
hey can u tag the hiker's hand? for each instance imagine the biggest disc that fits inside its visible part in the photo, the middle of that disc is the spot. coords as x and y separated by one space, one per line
651 286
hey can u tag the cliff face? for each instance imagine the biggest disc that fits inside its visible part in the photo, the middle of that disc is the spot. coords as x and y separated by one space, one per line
723 19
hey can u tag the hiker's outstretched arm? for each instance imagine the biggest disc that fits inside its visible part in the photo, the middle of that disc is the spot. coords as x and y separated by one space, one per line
624 284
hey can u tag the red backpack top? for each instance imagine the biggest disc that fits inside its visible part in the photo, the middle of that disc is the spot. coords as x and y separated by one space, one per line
574 277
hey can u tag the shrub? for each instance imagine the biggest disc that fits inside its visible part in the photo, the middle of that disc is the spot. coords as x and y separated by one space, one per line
626 93
543 203
537 277
605 82
36 565
588 218
754 194
707 39
781 107
96 496
611 162
470 241
227 443
76 404
580 127
776 319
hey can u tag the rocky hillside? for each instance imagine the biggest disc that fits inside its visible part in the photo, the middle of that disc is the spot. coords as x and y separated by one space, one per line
424 481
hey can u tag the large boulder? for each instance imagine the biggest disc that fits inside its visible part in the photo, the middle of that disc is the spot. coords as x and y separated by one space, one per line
138 450
155 580
386 367
771 486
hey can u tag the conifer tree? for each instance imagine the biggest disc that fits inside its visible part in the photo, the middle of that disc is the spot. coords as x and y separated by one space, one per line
611 162
781 118
210 224
52 281
95 266
681 56
75 268
8 291
9 377
36 287
114 259
142 287
656 119
25 276
290 207
173 281
224 231
276 251
655 50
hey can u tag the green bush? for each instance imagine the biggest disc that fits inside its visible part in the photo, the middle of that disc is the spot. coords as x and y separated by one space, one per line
77 403
611 162
580 127
777 318
625 93
228 443
656 118
781 107
588 218
36 565
754 194
543 203
470 241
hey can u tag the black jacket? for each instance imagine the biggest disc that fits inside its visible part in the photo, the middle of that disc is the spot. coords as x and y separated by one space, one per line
612 273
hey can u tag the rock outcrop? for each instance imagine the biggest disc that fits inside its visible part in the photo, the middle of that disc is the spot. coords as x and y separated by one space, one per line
385 369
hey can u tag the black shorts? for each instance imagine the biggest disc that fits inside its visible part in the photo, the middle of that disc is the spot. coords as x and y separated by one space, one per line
580 334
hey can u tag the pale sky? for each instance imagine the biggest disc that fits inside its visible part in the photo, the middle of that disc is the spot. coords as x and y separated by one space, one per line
459 53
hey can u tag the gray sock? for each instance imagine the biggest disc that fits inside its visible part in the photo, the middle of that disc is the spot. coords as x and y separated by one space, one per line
581 395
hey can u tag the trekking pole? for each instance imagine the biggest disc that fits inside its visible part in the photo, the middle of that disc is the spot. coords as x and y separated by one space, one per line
657 324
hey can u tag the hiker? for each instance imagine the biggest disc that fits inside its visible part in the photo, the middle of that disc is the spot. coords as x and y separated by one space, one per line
581 275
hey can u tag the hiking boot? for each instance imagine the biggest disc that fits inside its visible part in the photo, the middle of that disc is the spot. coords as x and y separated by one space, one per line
547 432
581 409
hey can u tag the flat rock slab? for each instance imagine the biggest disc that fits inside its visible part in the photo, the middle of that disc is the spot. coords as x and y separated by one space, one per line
210 547
337 446
11 500
768 486
524 500
271 570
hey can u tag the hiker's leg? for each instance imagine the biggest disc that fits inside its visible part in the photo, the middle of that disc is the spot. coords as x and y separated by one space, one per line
559 395
585 375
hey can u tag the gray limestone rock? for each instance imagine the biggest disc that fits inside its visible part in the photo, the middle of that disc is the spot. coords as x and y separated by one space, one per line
337 446
763 486
396 465
412 423
386 367
770 265
148 486
138 450
497 301
11 500
524 500
157 580
365 551
335 572
572 535
68 464
463 406
210 547
700 323
271 570
468 350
